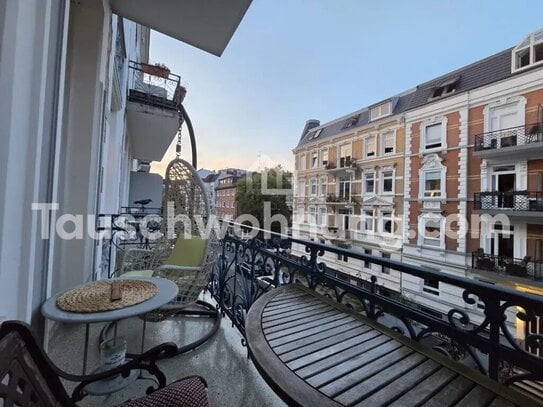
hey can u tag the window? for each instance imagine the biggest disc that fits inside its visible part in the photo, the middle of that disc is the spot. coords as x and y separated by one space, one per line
301 188
312 215
528 52
432 184
386 222
367 221
303 165
431 233
445 88
351 122
369 147
324 157
367 263
322 216
314 159
430 286
388 143
313 187
432 136
385 269
345 155
323 183
344 184
369 183
387 182
380 111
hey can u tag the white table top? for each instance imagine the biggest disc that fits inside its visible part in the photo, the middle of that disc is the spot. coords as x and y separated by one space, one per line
167 291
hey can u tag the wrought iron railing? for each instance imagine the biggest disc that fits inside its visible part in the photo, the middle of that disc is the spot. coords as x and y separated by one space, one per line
248 268
525 267
510 137
512 200
154 85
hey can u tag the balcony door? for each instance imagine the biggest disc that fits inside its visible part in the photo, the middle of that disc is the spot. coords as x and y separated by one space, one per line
344 217
502 118
502 241
504 184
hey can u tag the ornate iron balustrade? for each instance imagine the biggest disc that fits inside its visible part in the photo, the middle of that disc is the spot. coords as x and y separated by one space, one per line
154 85
514 136
513 200
248 268
508 265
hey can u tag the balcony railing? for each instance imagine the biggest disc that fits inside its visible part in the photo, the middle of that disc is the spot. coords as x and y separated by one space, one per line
525 267
341 199
154 85
513 200
248 268
510 137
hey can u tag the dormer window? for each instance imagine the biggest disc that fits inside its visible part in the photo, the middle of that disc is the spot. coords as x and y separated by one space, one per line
351 122
379 111
529 52
445 88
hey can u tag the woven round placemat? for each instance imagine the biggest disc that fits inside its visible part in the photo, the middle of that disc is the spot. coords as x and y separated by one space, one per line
96 297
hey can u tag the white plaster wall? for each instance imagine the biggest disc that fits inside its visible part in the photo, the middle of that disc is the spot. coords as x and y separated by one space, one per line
31 52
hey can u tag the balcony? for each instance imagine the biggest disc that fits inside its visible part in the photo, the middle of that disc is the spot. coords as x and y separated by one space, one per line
522 141
513 203
341 200
525 268
345 165
248 269
152 107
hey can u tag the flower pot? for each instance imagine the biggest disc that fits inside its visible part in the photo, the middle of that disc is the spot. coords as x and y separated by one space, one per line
156 70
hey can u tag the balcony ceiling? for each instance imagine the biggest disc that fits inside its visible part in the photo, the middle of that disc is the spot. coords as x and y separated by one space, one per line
207 25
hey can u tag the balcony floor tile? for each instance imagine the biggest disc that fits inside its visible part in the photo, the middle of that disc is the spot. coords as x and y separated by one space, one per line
222 361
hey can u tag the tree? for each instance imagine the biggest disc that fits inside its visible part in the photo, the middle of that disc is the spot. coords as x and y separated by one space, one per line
252 197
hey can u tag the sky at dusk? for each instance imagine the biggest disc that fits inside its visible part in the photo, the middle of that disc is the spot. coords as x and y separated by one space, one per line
294 60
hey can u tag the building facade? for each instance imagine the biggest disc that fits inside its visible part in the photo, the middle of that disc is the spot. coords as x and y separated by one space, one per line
225 193
468 150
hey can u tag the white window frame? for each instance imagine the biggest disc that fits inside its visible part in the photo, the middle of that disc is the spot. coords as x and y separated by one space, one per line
314 159
312 218
384 135
382 110
342 153
424 191
303 162
340 182
432 122
323 186
364 223
321 157
528 43
301 189
366 140
313 184
423 240
364 178
431 163
322 216
382 218
382 181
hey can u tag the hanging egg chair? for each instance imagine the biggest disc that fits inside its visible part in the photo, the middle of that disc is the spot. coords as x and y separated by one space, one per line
187 250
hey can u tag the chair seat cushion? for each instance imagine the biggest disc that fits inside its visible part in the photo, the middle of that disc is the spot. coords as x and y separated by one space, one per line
138 273
187 392
188 251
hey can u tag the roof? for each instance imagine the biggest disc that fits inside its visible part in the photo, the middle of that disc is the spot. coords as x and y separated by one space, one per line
492 69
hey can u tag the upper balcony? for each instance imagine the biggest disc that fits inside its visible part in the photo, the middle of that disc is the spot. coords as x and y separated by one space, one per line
154 97
342 200
525 268
513 203
344 165
521 141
